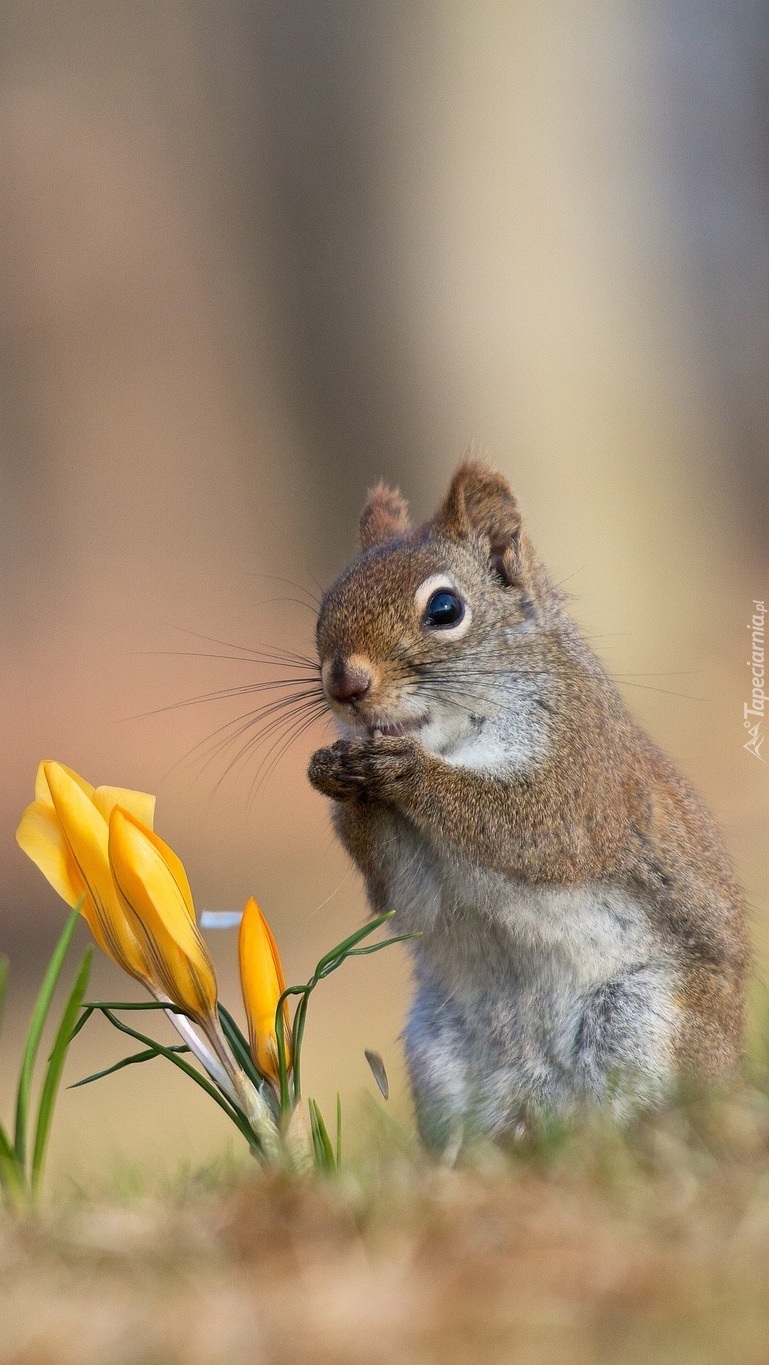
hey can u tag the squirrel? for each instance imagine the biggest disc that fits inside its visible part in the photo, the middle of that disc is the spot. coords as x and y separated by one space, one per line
581 934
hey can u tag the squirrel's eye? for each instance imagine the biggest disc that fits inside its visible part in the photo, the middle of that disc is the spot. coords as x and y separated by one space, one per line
444 609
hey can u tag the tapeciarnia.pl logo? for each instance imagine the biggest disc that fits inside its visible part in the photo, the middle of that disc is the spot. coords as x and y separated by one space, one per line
754 711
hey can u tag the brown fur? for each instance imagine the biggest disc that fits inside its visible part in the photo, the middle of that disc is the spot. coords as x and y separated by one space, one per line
605 804
384 515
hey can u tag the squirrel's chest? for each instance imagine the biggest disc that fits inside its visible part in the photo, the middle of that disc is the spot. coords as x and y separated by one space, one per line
479 927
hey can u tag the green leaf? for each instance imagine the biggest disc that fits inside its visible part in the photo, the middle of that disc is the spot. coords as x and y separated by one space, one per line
239 1045
300 1018
82 1021
11 1174
334 963
35 1033
284 1102
377 947
90 1007
55 1068
233 1114
242 1053
321 1142
338 1131
327 964
342 949
132 1005
145 1056
12 1179
233 1029
6 1146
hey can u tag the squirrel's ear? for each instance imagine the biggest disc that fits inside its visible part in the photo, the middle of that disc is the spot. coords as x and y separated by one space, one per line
480 500
385 515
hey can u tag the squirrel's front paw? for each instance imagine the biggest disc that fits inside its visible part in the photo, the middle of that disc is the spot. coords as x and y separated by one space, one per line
380 767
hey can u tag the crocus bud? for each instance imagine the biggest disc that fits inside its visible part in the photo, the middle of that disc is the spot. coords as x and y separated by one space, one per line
262 983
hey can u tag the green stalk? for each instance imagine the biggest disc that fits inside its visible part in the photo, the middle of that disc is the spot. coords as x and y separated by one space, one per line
300 1019
280 1033
11 1174
35 1033
54 1070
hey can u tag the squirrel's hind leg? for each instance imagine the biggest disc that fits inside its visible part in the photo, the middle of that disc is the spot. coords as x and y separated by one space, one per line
624 1045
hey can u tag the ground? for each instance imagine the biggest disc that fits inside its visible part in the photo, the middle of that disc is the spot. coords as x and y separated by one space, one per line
587 1246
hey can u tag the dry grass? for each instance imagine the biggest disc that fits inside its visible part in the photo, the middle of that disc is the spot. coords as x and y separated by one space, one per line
589 1246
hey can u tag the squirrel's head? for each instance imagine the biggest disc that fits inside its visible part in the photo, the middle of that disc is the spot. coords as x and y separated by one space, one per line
416 634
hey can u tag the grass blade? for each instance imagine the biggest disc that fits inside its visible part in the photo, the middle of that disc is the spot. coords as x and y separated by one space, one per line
6 1146
55 1068
11 1174
12 1180
145 1056
321 1142
35 1033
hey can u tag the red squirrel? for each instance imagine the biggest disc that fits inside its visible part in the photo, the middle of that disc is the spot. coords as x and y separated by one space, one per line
582 935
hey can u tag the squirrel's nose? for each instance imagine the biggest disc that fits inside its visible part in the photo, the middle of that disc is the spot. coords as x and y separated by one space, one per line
348 682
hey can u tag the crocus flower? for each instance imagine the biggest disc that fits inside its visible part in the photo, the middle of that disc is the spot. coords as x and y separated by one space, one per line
96 846
262 983
65 832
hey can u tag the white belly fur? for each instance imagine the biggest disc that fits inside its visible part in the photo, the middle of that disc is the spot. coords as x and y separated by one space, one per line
527 997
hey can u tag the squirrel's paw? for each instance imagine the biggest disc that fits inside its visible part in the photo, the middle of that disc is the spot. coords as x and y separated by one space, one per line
353 768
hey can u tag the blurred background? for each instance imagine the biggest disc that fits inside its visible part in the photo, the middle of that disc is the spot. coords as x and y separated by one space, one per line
254 257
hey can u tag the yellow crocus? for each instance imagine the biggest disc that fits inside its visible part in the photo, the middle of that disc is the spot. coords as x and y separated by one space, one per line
262 983
156 899
65 833
96 846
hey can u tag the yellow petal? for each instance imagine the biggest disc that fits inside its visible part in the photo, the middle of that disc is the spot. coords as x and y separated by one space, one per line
41 836
42 790
154 890
86 834
262 983
174 865
139 804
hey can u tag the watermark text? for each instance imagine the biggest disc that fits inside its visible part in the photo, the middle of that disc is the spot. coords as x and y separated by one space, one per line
754 711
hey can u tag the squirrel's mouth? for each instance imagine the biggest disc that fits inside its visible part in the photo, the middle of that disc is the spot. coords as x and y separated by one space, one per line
394 729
